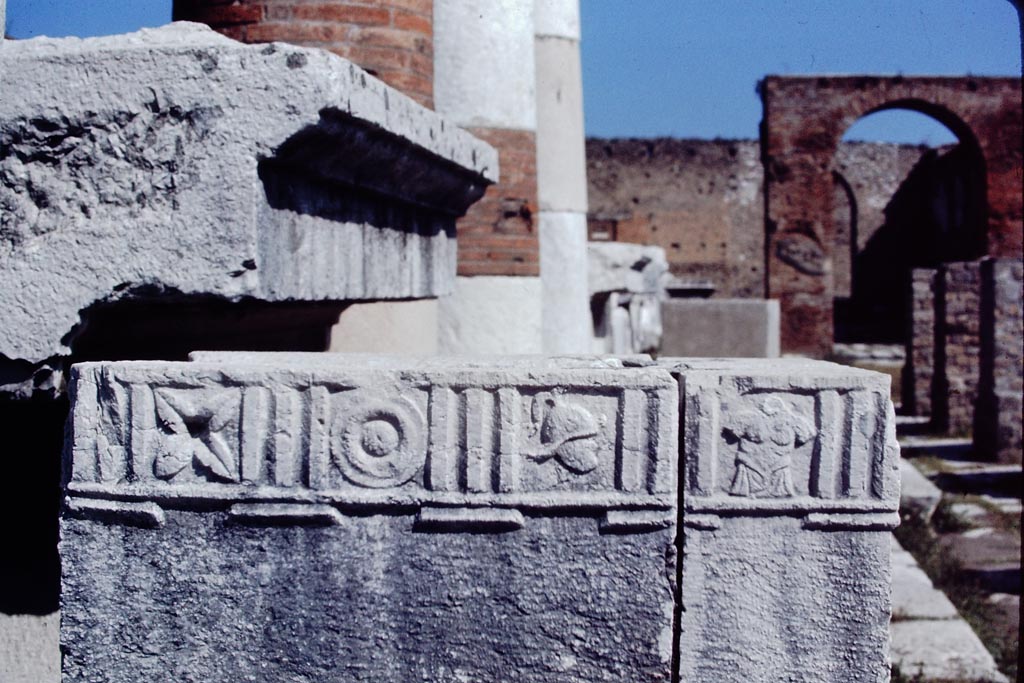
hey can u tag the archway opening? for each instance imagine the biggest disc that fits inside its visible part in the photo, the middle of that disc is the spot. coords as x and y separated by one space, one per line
909 194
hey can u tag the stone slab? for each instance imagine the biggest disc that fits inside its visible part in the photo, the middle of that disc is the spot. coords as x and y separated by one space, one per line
370 521
176 162
913 594
942 650
918 495
742 328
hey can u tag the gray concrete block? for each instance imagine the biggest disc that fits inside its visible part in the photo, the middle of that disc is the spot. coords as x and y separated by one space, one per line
725 328
441 521
175 161
790 487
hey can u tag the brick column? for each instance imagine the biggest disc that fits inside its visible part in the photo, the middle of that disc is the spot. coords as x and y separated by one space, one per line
392 39
959 347
920 366
485 82
561 177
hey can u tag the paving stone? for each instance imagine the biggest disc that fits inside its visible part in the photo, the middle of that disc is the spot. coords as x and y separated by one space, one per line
913 594
918 495
942 650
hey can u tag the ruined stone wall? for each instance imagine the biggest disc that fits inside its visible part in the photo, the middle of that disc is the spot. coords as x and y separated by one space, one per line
998 416
867 176
702 201
392 39
805 118
919 370
959 344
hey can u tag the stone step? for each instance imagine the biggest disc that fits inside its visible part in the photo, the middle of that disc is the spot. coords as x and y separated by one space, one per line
930 640
916 425
940 446
918 495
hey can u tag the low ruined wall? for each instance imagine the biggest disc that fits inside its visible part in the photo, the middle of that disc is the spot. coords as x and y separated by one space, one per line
964 362
959 345
702 201
919 370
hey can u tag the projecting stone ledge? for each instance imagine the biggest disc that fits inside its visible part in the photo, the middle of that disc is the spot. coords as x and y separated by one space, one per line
177 162
390 519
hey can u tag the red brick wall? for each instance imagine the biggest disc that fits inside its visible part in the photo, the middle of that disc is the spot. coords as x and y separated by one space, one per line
392 39
498 235
804 120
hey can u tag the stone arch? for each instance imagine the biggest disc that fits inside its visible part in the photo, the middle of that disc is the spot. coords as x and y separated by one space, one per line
804 121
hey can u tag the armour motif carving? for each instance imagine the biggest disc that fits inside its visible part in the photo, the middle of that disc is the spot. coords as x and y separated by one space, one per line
568 433
767 438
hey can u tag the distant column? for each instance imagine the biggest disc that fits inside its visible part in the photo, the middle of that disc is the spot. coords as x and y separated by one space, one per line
392 39
561 177
484 80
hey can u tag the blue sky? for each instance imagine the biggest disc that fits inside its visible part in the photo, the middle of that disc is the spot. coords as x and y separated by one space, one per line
689 68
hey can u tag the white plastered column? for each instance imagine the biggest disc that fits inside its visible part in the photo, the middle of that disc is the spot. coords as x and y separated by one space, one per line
561 177
484 77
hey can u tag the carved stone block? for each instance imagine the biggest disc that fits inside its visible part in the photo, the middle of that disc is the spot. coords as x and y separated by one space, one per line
177 162
386 521
791 484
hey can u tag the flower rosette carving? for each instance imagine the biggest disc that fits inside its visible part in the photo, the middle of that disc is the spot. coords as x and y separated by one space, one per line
379 443
199 428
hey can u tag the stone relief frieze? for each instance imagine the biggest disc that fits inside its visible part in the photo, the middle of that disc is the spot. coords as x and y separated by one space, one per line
529 440
766 438
789 443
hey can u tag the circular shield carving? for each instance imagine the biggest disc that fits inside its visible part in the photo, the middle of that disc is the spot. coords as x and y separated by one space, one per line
378 444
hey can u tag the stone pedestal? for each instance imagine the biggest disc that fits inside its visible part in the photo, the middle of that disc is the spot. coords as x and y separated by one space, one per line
336 517
171 190
367 520
790 490
733 328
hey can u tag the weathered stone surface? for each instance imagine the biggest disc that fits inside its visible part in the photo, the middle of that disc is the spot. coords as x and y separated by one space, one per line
307 520
21 658
790 485
742 328
177 161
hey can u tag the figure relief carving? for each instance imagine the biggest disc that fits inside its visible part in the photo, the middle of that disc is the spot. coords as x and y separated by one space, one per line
567 432
379 443
767 437
202 433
